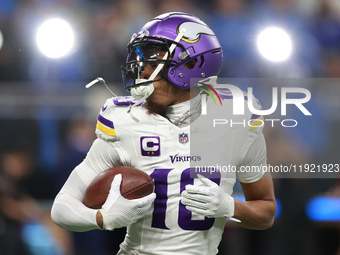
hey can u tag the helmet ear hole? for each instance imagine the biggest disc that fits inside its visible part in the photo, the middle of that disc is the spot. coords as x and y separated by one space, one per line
202 61
191 64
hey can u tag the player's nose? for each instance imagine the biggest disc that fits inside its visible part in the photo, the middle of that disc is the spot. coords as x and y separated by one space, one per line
147 72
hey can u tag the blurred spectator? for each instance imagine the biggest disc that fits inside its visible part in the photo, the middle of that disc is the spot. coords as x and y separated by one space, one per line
79 136
175 6
15 206
332 64
232 25
7 8
114 25
326 25
20 185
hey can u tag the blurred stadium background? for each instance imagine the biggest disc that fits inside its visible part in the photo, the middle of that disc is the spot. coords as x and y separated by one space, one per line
47 117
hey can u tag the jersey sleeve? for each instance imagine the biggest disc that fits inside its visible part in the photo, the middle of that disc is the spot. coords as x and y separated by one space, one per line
68 211
253 163
256 122
113 114
105 127
254 157
101 156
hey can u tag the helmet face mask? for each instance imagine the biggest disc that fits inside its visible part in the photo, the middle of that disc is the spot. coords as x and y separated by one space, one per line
198 43
140 54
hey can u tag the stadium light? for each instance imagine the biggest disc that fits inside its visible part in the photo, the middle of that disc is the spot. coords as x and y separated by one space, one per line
274 44
1 39
324 209
55 38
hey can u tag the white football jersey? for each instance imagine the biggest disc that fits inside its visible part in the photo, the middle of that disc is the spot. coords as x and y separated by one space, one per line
171 155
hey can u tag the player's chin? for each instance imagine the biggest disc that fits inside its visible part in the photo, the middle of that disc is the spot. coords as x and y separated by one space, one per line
154 107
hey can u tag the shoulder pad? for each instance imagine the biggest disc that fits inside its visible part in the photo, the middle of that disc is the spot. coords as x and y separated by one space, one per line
105 128
227 94
255 121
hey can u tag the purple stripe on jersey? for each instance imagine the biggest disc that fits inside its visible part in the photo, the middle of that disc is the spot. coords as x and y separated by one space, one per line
226 94
230 97
126 100
105 121
254 117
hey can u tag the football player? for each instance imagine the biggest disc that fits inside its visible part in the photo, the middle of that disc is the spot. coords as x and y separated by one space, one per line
154 130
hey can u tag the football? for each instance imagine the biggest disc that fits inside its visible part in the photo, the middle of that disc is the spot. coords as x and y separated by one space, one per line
135 184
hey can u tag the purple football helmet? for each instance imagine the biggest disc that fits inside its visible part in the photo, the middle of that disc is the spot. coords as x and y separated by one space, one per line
197 43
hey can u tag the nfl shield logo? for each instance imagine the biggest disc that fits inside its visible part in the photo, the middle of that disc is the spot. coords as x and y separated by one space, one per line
183 138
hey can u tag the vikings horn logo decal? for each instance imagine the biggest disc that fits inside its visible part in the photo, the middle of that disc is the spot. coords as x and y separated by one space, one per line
194 31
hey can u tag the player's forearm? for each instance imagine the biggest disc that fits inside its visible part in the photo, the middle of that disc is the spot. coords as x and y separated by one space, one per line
70 213
257 214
